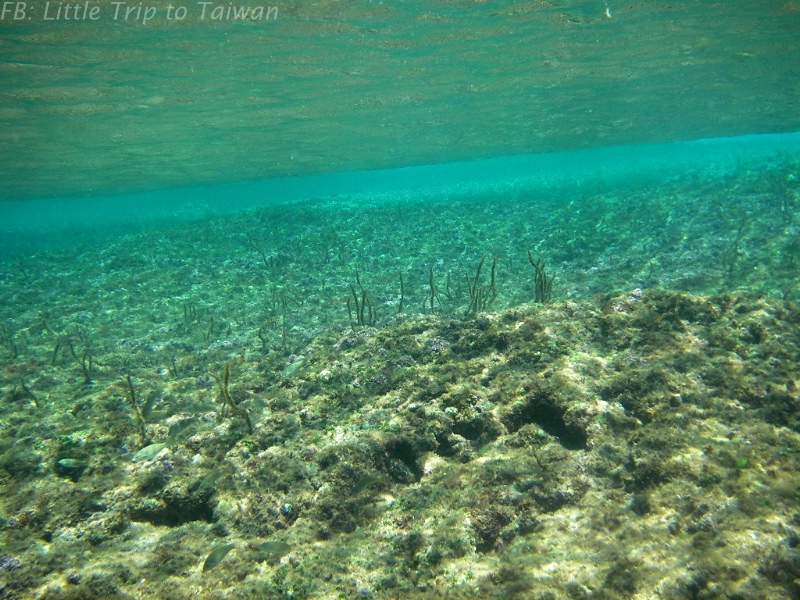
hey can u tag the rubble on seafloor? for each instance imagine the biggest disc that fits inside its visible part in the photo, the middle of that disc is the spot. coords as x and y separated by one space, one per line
638 445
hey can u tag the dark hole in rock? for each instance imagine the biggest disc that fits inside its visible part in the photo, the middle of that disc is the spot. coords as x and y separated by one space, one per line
540 408
403 450
480 428
470 429
448 445
176 510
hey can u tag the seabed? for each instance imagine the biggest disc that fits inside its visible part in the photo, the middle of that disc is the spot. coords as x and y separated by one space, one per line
633 433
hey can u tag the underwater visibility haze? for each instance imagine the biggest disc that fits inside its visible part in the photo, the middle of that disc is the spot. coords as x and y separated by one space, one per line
412 299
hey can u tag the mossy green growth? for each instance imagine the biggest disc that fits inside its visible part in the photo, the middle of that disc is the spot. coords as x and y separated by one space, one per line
69 441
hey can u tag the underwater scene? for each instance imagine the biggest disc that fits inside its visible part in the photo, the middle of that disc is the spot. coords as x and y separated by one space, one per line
453 299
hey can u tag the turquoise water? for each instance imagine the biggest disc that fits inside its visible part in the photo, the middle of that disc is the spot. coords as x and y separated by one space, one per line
27 225
114 106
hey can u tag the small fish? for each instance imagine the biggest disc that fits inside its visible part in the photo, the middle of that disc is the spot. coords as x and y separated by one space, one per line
181 427
72 463
364 483
147 407
148 452
216 556
293 368
275 549
211 479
